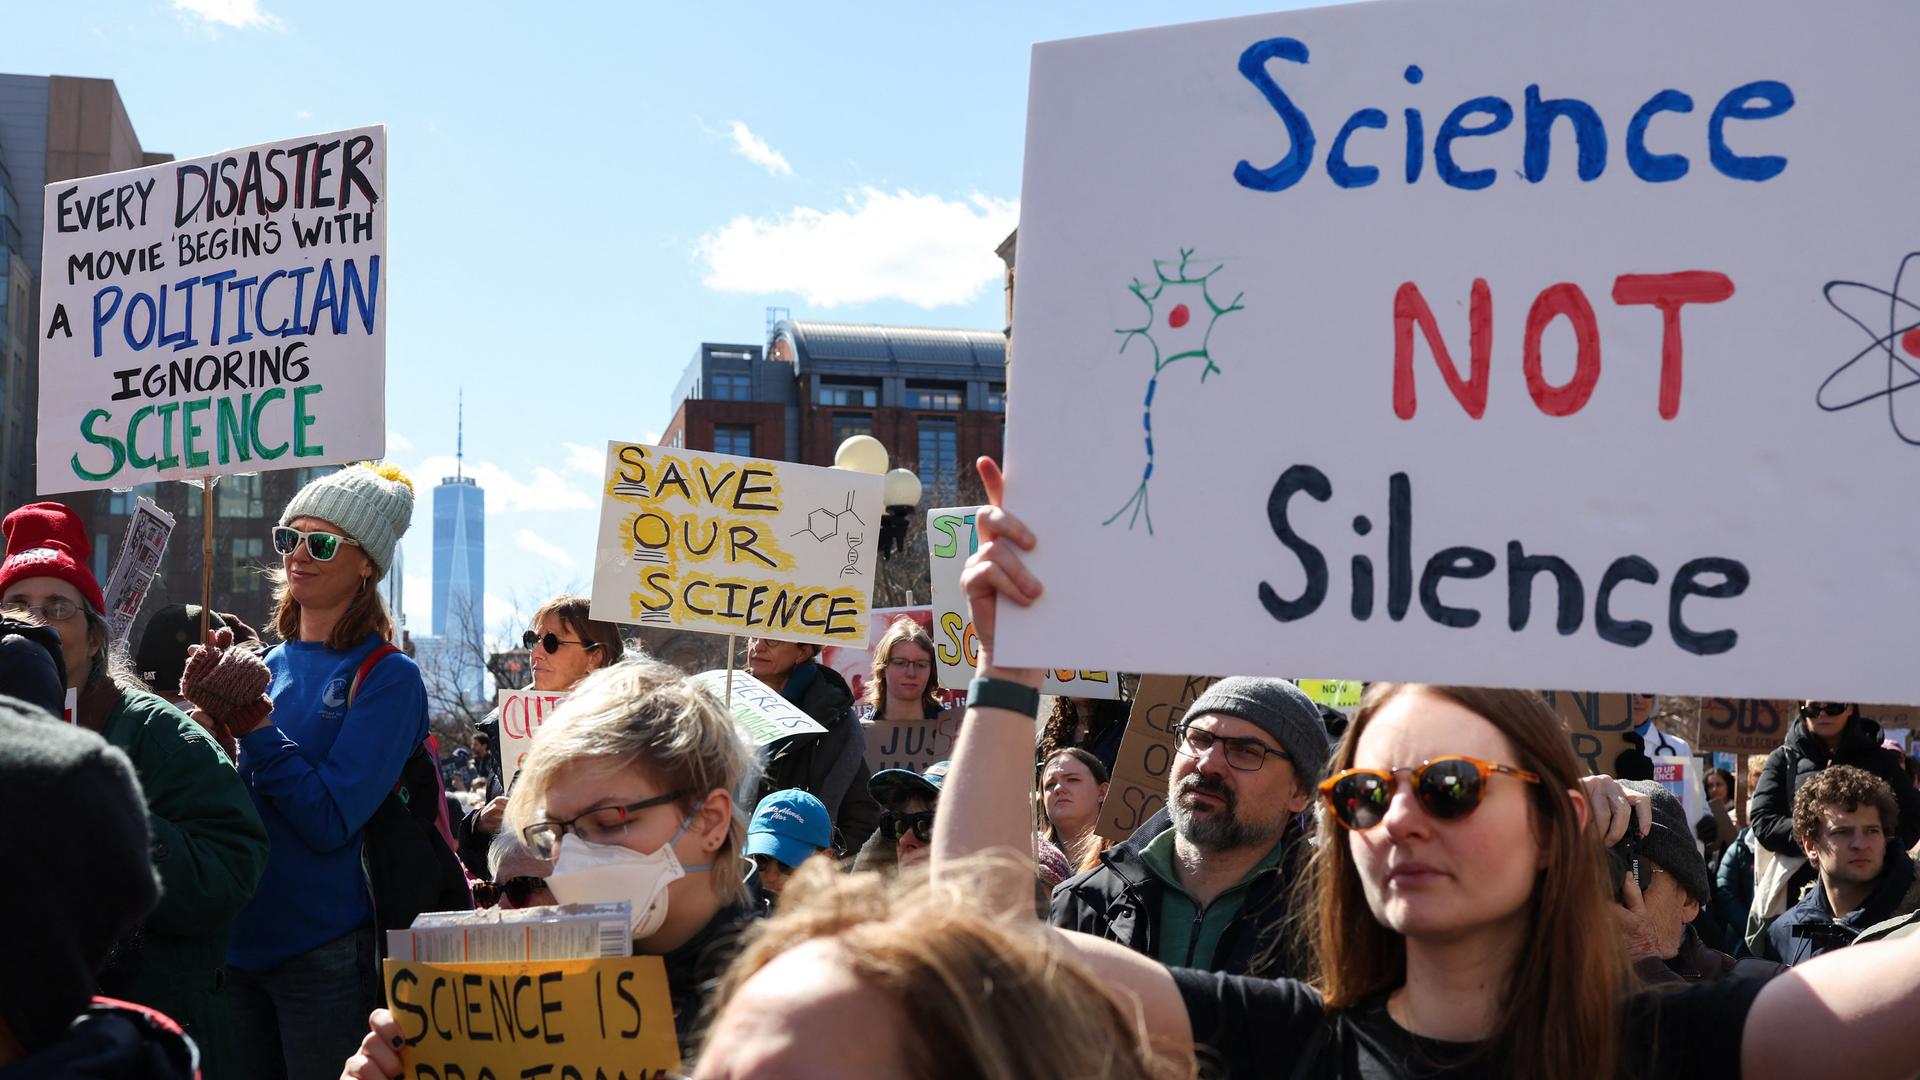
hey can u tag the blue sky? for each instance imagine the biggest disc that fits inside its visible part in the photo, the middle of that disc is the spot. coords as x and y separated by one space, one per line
582 193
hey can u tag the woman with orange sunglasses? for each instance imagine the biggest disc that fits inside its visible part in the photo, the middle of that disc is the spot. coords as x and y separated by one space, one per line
1464 924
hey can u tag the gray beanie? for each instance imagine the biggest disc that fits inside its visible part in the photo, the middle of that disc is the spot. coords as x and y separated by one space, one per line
371 503
1278 708
1670 842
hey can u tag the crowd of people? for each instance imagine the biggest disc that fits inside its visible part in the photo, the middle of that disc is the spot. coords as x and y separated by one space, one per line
1430 888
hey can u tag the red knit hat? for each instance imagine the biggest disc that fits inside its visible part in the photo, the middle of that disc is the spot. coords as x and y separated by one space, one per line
47 540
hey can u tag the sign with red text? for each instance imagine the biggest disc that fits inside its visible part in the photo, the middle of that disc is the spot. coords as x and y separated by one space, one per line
223 314
1145 760
951 537
522 714
1475 341
735 545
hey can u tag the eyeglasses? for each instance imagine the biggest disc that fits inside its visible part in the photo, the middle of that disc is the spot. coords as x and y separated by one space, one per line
1449 788
58 609
552 642
323 546
893 826
1822 708
607 824
1246 755
901 663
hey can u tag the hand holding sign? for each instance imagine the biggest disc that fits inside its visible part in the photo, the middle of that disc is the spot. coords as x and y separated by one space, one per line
997 569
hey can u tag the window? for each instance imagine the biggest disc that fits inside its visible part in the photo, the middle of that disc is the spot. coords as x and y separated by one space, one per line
249 552
303 477
733 439
940 459
100 542
847 425
848 394
240 497
730 386
121 502
921 396
996 398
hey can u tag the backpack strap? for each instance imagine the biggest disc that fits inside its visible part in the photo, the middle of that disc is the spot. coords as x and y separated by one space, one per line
386 649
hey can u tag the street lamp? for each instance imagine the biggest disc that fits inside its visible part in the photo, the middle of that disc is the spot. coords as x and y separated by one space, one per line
864 453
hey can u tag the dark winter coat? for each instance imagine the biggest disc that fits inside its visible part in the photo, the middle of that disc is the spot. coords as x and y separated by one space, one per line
1808 928
694 968
1120 900
112 1040
1770 810
830 765
1696 962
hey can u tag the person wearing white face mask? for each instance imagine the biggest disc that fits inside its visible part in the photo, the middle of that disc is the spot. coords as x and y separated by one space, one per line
630 790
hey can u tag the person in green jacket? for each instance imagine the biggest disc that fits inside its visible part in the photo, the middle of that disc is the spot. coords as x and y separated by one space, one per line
209 846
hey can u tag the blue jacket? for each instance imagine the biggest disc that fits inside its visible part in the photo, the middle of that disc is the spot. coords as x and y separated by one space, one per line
317 773
1819 932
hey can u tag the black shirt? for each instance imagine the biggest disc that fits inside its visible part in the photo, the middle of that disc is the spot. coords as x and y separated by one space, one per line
1250 1027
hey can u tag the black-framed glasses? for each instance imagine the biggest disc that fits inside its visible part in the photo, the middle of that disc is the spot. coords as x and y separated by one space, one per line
323 546
552 642
918 667
602 825
1449 788
1822 708
1246 755
894 825
56 609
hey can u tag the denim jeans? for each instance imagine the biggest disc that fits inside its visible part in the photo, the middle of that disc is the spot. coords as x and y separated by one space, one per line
303 1019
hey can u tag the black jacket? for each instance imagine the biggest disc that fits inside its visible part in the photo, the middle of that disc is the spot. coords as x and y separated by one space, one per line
694 968
1808 928
830 765
1120 900
1803 754
113 1040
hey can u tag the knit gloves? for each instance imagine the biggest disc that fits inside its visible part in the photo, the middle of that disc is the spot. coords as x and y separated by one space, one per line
229 684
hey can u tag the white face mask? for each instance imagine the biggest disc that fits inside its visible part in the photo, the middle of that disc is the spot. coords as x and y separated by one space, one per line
588 873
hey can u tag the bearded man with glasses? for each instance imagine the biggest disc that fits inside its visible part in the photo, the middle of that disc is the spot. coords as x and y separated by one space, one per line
1827 733
1204 883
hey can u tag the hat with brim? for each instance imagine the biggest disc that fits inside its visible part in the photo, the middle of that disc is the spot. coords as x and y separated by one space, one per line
791 826
894 788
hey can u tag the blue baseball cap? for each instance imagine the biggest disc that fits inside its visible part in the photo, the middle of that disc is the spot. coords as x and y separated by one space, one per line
891 788
791 826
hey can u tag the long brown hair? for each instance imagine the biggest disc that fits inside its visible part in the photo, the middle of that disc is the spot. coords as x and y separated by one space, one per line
366 614
906 629
1562 1010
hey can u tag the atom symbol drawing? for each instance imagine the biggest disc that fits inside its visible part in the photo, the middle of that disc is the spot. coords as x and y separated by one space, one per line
1179 320
1898 340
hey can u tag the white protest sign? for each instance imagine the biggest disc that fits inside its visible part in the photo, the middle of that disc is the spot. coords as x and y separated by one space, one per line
222 314
763 715
734 545
140 552
951 537
522 714
1476 341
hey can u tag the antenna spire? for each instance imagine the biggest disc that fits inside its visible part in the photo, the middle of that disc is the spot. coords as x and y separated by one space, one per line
460 437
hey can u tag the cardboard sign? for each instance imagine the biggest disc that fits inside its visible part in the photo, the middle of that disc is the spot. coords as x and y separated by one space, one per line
1744 725
222 314
911 744
763 715
951 538
546 1018
1453 341
733 545
1141 767
522 713
1597 724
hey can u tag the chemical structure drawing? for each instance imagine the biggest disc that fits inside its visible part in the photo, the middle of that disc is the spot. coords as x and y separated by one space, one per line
1180 316
1898 339
824 524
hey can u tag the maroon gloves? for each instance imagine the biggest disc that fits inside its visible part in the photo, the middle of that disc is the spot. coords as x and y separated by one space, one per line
229 684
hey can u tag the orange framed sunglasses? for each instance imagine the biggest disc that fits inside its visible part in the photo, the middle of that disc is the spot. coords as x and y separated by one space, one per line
1448 787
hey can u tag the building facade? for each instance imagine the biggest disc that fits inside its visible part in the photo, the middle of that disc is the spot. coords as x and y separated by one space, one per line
460 582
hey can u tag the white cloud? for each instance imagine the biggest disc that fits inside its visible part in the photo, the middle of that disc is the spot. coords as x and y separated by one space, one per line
543 490
503 620
398 443
924 249
540 547
755 149
238 14
586 460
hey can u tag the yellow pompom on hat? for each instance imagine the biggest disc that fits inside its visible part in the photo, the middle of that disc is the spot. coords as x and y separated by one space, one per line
371 502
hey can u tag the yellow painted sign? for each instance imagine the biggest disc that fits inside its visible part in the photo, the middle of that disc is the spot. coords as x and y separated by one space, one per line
552 1018
1333 693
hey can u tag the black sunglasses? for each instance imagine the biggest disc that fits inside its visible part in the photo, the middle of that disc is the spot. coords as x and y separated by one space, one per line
552 642
515 890
893 826
1823 708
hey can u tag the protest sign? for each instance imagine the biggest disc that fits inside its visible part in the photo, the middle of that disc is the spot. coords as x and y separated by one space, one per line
1342 694
1597 724
951 537
1313 324
548 1018
146 541
763 715
522 712
218 315
911 744
1139 786
734 545
1744 725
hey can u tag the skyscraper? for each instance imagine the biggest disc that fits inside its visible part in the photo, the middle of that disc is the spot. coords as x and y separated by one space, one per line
460 575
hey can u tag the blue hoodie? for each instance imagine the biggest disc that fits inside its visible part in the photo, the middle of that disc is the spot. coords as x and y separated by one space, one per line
317 773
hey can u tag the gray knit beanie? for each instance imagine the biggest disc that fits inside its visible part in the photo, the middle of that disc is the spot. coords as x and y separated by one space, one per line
371 503
1670 842
1279 708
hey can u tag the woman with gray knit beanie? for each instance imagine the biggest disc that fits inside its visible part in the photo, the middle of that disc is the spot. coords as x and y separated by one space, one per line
320 748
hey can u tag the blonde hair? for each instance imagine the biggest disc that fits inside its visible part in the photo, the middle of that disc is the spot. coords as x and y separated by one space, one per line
904 628
983 994
641 712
